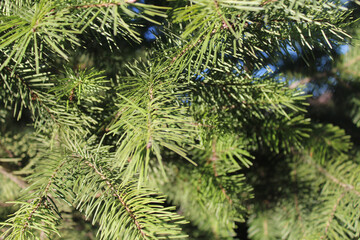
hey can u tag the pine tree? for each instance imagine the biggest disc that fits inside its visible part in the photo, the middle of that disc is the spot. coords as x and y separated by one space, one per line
196 135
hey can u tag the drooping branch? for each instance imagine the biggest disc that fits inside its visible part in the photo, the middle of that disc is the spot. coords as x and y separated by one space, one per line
116 194
103 5
347 187
267 2
33 94
224 21
213 159
44 196
149 120
331 217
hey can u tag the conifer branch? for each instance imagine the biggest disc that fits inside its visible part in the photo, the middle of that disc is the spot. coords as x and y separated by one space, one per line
116 194
213 159
331 217
267 2
201 74
43 198
185 50
101 5
33 94
225 24
346 186
149 121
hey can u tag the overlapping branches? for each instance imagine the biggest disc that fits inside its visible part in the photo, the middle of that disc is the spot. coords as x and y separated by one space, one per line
153 114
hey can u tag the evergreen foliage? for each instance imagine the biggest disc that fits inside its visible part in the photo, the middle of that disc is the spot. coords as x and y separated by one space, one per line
193 136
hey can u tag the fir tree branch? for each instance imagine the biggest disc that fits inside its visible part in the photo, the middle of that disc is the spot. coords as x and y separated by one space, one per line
267 2
34 95
101 5
43 198
347 187
213 160
225 23
185 50
116 194
149 121
331 217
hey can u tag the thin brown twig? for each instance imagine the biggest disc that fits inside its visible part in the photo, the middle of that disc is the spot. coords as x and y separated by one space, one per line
2 204
331 217
225 24
101 5
267 2
8 152
148 145
347 187
189 47
34 95
115 194
43 197
21 183
213 159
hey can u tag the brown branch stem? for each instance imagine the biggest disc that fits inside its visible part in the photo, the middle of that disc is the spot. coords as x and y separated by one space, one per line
34 95
213 159
2 204
347 187
43 197
267 2
101 5
149 122
116 194
21 183
8 152
331 217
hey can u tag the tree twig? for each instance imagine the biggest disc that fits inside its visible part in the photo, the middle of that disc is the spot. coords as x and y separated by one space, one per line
34 95
44 196
213 159
21 183
347 187
115 193
331 217
100 5
8 152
